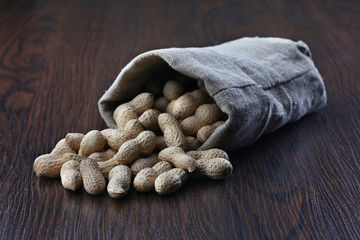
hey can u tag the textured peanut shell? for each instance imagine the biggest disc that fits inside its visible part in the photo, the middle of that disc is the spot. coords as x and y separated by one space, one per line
177 157
205 132
123 114
142 102
191 143
92 142
119 181
206 114
115 137
167 182
214 168
173 135
173 90
49 165
103 156
161 104
142 163
162 166
70 175
93 181
149 119
143 144
208 154
145 179
133 127
187 104
73 140
61 147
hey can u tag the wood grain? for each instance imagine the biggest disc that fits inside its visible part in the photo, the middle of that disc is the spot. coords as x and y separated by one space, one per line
58 57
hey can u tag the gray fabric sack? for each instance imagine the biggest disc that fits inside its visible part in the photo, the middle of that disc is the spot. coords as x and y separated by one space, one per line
260 83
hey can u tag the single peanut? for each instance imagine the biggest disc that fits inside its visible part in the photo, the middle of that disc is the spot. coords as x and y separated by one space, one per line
123 114
70 175
61 147
93 141
162 166
206 114
173 90
170 181
187 104
145 179
143 144
133 127
214 168
142 163
177 157
73 140
149 119
172 133
49 165
161 104
205 132
119 181
93 180
208 154
115 137
142 102
103 156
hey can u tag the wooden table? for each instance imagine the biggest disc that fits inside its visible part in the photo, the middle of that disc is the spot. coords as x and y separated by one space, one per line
58 57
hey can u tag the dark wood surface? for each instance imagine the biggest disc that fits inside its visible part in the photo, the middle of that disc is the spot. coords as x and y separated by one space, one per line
58 57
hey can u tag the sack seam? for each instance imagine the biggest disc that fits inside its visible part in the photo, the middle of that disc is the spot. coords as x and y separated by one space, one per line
269 87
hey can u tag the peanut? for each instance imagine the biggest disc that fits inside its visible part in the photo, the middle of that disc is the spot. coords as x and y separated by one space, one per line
133 127
214 168
172 133
61 147
162 166
205 132
173 90
168 182
70 175
93 180
142 102
206 114
149 119
49 165
103 156
145 179
208 154
142 163
143 144
191 143
93 141
119 181
115 137
177 157
186 105
123 114
73 140
161 104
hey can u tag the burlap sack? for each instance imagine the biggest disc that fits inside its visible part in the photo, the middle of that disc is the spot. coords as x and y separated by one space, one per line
260 83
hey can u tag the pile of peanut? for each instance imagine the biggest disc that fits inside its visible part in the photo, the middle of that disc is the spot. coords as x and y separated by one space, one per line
154 146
